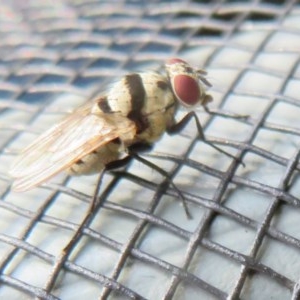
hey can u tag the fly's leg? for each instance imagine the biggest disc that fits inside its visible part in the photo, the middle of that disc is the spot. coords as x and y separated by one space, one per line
89 213
223 114
176 128
84 223
62 258
110 166
133 153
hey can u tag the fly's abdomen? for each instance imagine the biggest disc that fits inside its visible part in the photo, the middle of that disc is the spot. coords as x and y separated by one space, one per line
95 161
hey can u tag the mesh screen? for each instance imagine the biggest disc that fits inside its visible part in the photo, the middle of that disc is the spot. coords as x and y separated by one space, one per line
243 241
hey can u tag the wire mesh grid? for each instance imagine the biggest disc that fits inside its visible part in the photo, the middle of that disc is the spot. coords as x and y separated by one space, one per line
243 240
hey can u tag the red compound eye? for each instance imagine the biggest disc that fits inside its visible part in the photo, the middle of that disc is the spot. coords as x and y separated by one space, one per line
186 89
175 60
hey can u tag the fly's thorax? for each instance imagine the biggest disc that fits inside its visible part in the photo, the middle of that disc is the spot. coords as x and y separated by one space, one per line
137 93
144 98
158 92
158 109
158 123
126 94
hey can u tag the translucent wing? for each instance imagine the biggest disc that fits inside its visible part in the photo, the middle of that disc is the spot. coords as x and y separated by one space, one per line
65 143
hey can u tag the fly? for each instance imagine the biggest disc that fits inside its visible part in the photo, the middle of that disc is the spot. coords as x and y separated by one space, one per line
108 131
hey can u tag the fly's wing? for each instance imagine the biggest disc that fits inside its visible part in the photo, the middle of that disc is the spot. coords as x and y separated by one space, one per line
65 143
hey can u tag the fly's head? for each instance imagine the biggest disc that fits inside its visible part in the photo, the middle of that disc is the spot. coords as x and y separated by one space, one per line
188 84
